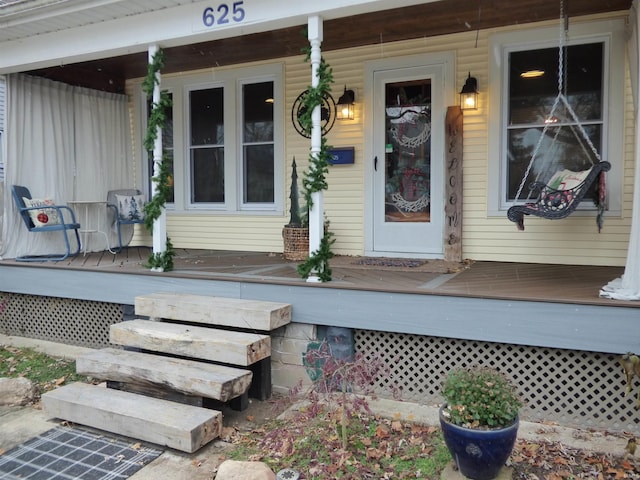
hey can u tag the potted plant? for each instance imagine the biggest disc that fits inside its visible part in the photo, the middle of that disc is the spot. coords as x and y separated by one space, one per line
479 420
296 232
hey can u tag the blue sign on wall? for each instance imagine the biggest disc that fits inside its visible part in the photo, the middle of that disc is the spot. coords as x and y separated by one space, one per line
341 156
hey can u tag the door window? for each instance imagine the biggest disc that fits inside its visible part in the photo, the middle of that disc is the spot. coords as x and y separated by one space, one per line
408 151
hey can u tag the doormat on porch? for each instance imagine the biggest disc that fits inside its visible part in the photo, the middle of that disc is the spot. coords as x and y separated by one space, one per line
65 453
390 262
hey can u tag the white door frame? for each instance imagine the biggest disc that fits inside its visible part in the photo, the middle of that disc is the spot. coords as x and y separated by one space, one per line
444 59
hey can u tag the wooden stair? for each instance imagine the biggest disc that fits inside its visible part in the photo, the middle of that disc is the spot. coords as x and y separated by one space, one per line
181 375
193 350
163 422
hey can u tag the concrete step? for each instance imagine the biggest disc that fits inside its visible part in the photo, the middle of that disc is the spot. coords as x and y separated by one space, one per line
227 312
185 376
235 348
182 427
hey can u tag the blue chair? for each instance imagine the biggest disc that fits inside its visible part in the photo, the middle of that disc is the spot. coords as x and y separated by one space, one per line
117 218
62 224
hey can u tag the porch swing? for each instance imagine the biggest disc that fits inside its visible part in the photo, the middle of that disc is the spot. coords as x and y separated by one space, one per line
563 192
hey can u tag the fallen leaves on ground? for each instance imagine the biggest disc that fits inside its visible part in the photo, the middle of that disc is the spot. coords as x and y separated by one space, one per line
542 460
376 448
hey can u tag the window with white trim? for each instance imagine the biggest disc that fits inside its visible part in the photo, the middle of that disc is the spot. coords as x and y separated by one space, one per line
206 145
525 86
167 149
227 141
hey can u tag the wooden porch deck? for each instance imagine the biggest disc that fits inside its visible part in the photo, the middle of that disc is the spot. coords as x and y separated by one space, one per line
491 280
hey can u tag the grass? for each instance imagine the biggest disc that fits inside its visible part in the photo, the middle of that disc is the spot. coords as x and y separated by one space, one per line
45 371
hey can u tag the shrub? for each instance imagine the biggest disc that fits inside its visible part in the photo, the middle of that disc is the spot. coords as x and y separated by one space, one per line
481 398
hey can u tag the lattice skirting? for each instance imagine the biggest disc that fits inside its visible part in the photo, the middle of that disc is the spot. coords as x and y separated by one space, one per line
571 388
63 320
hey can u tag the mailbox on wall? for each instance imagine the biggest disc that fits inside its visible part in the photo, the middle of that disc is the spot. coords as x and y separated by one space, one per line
341 156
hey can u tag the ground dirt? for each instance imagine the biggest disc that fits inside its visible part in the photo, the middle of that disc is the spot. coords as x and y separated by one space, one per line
531 459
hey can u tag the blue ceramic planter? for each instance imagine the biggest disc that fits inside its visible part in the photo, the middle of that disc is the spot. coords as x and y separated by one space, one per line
479 454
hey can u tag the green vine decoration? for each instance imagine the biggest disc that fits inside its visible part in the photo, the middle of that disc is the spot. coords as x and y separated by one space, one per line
157 120
162 260
314 179
318 261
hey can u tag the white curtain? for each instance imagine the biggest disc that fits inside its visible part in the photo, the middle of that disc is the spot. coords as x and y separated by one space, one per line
628 286
65 143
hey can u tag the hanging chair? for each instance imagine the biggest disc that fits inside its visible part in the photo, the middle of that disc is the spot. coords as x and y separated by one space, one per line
562 193
556 203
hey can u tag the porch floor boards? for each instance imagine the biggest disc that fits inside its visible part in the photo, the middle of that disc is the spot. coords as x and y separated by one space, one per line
497 280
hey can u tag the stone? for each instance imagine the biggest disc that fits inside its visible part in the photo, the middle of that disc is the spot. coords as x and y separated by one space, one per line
16 391
236 470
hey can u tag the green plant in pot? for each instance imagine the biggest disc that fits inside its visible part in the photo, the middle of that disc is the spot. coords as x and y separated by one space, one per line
479 420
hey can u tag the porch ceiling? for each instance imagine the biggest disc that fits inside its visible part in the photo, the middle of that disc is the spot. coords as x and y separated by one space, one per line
429 19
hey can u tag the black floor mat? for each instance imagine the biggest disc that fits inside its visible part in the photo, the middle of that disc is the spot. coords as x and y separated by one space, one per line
65 453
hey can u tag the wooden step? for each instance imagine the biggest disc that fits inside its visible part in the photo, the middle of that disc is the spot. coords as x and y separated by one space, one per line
183 427
185 376
227 312
235 348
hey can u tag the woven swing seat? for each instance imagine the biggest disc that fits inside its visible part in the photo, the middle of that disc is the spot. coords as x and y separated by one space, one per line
559 197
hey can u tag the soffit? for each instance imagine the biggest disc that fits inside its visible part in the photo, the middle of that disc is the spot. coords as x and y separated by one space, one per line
417 21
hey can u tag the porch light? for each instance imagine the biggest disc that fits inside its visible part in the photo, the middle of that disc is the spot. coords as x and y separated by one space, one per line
346 105
469 94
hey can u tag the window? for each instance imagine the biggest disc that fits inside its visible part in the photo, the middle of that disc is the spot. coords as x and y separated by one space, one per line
167 149
225 141
523 88
533 90
257 143
206 145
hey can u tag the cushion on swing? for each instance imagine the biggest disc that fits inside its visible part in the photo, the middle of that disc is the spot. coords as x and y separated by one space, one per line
567 179
561 190
559 196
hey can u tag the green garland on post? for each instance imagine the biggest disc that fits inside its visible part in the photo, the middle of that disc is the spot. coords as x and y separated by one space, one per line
157 119
314 179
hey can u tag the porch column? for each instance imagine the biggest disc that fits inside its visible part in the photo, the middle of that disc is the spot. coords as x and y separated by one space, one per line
316 224
160 224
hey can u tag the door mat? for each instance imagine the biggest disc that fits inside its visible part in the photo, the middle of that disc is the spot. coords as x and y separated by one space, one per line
65 453
390 262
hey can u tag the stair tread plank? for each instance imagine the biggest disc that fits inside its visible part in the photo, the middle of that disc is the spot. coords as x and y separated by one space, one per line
228 312
185 376
175 425
236 348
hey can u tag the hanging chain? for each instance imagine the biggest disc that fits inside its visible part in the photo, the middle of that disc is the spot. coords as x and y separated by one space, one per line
562 85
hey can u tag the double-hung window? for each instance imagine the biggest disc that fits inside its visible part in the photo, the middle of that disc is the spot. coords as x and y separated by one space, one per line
258 160
226 140
167 149
530 139
206 145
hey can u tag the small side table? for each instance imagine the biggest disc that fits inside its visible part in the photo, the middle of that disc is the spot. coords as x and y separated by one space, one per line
83 208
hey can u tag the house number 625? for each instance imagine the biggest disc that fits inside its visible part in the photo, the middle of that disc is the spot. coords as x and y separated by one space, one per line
223 14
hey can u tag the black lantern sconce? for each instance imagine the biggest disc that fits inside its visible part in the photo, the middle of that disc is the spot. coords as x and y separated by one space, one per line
469 94
346 104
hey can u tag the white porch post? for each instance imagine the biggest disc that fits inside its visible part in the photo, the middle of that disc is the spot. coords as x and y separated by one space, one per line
316 224
160 224
627 287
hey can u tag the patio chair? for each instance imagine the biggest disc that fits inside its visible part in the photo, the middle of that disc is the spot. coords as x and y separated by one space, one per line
42 215
125 207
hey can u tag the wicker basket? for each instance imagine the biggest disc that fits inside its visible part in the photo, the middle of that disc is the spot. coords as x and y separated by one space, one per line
296 243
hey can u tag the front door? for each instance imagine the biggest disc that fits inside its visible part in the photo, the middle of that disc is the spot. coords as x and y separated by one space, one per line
408 161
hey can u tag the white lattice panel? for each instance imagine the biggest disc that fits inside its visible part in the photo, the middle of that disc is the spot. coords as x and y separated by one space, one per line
572 388
63 320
